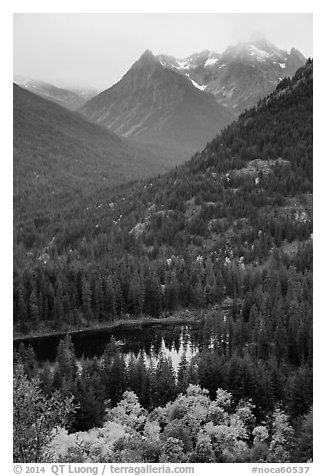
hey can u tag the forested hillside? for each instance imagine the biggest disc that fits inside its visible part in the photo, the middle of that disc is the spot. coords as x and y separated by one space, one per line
59 157
228 233
241 208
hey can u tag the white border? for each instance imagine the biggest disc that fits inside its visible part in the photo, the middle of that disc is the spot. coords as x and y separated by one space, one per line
319 185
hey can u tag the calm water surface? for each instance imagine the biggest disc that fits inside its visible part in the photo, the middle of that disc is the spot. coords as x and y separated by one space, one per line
172 339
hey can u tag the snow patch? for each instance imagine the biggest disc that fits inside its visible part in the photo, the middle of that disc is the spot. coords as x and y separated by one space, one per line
260 55
210 62
183 64
198 86
282 65
202 88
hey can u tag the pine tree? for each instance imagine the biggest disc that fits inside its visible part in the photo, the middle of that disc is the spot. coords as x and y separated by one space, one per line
183 374
165 384
86 300
65 373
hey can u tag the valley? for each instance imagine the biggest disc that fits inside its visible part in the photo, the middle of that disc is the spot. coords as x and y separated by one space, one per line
69 158
139 249
163 263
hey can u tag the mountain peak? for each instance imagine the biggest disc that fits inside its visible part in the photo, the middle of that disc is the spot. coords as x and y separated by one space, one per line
147 59
147 55
297 53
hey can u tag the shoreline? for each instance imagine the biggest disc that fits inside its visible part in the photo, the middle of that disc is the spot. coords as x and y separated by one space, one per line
182 318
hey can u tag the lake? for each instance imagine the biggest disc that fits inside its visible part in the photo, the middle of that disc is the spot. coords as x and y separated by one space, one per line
172 339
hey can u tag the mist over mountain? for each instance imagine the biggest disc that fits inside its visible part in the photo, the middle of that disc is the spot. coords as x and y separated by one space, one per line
242 74
183 103
70 99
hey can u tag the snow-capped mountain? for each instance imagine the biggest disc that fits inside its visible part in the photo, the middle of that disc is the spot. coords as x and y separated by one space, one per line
154 103
198 60
241 75
185 102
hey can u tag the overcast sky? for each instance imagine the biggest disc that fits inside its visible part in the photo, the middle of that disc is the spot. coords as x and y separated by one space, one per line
80 50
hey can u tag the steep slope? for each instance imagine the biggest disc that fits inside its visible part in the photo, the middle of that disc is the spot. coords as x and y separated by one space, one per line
224 229
154 104
250 71
242 74
69 99
59 156
255 175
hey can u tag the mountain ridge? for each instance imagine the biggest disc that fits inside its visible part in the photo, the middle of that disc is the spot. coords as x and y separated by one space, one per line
242 74
155 104
70 99
185 102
